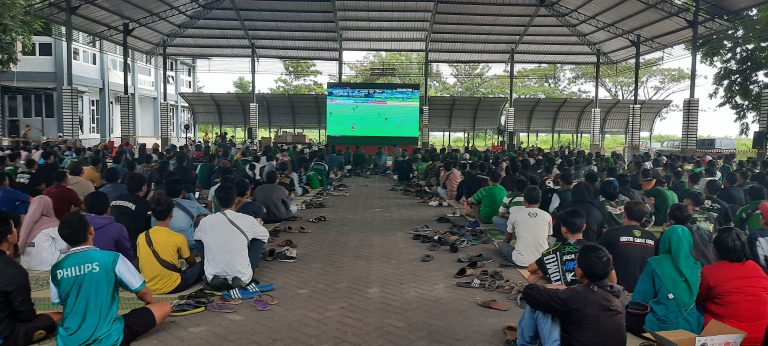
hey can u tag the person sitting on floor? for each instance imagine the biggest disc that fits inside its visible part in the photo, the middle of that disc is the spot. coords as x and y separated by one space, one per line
558 263
64 199
39 243
670 282
511 203
274 198
108 234
114 187
232 243
132 209
85 282
244 203
92 173
630 245
186 213
20 324
734 290
485 203
159 250
76 182
591 313
531 226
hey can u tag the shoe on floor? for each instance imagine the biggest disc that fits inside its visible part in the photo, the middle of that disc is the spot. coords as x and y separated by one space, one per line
473 224
286 255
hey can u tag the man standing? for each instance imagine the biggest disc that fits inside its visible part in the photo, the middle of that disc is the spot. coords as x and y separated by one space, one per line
20 324
86 283
532 226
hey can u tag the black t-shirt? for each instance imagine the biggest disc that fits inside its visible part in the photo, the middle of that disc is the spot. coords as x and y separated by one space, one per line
251 208
131 211
29 183
720 209
559 262
630 246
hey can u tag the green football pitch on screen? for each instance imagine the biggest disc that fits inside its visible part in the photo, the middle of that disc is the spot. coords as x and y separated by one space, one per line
373 112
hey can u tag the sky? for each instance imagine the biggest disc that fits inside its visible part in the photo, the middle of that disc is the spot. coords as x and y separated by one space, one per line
217 75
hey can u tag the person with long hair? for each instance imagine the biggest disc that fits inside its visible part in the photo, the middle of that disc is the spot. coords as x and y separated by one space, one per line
669 284
40 245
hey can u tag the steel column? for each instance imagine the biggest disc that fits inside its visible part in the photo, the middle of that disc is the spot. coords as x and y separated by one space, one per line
69 42
694 46
165 73
126 64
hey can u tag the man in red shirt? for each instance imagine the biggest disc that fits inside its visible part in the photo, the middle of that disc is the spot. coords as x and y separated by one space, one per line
64 198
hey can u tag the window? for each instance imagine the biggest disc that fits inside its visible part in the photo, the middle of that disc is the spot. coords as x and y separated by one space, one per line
13 106
172 113
94 116
28 50
76 54
143 70
189 72
86 57
49 108
26 103
171 65
113 64
38 101
45 49
93 59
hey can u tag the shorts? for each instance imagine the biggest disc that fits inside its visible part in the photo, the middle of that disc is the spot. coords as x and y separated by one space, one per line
24 333
137 322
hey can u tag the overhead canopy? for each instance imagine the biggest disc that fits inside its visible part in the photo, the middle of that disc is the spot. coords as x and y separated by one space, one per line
447 113
275 111
573 115
539 31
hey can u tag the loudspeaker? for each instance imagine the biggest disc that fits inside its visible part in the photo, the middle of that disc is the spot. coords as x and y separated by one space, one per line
758 141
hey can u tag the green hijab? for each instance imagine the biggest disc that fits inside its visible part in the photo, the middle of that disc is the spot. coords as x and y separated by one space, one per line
679 271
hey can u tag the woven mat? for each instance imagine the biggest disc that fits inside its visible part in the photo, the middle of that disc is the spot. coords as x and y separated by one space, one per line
43 304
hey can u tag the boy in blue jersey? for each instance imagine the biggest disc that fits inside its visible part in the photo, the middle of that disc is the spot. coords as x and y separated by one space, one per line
85 282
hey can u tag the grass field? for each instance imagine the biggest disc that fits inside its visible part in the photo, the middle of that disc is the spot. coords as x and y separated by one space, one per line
384 120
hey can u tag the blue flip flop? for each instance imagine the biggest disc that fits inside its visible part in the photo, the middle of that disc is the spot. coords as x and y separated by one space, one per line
239 294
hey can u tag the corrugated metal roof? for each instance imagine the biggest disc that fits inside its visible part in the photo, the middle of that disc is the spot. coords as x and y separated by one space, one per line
549 31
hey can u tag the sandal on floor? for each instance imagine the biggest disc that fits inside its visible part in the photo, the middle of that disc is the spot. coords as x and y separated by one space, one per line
290 229
463 272
221 307
510 332
484 275
475 265
497 275
288 243
303 229
491 285
427 258
186 309
271 300
471 284
259 304
227 301
433 247
492 304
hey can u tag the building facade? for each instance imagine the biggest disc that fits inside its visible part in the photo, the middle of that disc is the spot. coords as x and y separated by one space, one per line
31 92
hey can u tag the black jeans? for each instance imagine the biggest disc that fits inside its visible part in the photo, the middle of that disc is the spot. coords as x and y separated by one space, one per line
189 277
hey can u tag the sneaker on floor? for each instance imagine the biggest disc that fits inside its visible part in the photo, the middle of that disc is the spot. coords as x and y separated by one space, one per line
480 258
286 256
473 224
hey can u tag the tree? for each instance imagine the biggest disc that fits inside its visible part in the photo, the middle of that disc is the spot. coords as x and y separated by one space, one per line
656 83
739 55
299 78
408 70
242 85
17 25
474 80
544 81
200 86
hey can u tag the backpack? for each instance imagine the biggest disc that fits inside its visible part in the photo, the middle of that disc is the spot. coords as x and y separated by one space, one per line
757 243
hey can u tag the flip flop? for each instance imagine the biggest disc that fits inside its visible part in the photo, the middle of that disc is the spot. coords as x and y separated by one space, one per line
492 304
271 300
259 304
221 307
491 285
497 275
239 293
303 229
288 243
186 309
313 220
463 272
322 218
433 247
225 301
290 229
427 258
484 275
475 265
471 284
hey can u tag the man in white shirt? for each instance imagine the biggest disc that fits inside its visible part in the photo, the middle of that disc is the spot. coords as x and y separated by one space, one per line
232 244
531 226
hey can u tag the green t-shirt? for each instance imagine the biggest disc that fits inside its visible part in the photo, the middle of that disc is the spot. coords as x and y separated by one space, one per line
748 218
490 199
205 175
312 180
662 200
85 283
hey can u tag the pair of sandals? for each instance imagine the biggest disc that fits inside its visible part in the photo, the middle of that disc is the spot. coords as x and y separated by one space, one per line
318 219
262 302
315 205
301 229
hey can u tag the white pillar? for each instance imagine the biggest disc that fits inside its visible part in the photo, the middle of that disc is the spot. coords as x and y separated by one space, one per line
595 134
690 126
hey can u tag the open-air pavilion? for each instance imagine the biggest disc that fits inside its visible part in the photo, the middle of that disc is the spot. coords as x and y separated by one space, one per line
594 32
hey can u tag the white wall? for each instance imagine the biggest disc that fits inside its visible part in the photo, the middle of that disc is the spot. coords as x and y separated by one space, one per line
145 117
38 63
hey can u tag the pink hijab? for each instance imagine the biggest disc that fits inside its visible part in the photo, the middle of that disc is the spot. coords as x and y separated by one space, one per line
39 217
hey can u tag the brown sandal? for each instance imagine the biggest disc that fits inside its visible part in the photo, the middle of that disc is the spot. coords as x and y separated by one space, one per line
271 300
492 304
303 229
290 229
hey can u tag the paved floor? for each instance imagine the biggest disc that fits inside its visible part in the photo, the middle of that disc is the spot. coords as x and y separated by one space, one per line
358 281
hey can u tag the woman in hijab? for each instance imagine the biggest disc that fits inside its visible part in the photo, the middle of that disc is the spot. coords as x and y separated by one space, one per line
669 284
40 245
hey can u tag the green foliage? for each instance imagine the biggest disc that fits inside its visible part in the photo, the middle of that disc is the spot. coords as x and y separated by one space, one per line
656 83
298 78
474 80
740 56
544 81
17 25
408 66
241 85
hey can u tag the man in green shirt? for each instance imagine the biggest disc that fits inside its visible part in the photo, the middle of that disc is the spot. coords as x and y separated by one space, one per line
661 199
485 204
748 218
85 282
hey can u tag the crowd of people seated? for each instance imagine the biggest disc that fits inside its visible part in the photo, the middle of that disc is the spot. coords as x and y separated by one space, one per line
680 240
104 217
685 237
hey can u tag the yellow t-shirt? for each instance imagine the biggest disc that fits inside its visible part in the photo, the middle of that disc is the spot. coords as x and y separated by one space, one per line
92 175
170 246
